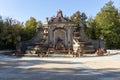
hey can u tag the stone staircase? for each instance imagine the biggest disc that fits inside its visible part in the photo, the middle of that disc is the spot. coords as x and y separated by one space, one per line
86 46
55 54
60 55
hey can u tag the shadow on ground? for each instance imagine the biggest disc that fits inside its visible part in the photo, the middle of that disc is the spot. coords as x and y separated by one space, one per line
52 70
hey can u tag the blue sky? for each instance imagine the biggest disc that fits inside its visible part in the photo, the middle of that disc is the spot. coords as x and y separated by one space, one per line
40 9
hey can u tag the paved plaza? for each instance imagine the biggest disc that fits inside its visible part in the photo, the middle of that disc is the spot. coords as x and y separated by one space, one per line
60 68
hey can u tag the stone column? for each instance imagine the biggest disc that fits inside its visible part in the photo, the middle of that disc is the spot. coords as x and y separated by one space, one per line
102 44
82 34
50 35
69 37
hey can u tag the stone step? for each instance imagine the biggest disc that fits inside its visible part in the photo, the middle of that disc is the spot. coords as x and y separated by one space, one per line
50 55
59 55
30 55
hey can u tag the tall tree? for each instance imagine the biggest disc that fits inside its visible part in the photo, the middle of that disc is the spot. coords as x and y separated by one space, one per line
9 33
78 18
108 23
30 29
91 29
1 24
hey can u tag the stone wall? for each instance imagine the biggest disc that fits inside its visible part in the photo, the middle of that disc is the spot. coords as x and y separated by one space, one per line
22 46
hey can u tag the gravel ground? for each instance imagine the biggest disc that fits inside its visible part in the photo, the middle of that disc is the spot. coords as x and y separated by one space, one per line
60 68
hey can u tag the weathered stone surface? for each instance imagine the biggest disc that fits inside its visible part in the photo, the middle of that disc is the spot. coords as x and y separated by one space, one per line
62 33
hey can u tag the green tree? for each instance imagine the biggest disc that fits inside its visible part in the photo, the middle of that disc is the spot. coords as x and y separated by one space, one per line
91 30
29 29
107 22
1 24
78 18
11 29
9 33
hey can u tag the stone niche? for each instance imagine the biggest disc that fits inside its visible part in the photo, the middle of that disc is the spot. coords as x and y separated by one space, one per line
60 36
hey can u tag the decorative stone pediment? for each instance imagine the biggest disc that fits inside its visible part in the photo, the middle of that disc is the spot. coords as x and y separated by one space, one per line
59 18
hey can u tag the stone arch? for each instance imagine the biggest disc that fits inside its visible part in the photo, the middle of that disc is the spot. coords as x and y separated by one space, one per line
60 34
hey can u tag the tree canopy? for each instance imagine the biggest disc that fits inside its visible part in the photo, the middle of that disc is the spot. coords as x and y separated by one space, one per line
78 18
11 30
107 23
